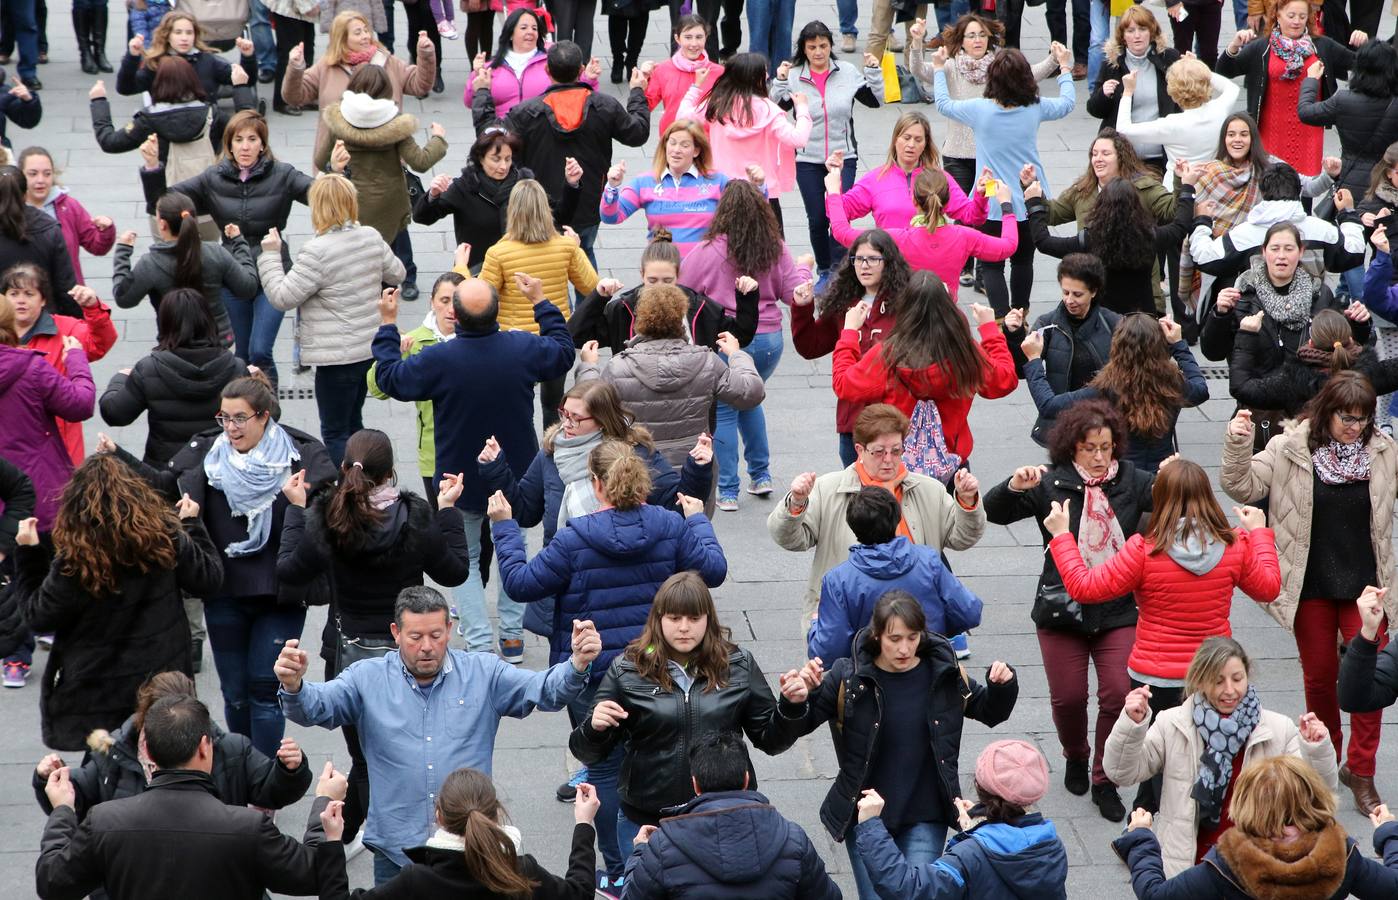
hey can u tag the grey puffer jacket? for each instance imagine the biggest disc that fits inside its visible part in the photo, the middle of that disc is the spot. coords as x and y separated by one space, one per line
226 265
671 385
338 276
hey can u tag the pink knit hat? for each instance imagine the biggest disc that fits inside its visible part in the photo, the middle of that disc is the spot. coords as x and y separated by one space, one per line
1013 770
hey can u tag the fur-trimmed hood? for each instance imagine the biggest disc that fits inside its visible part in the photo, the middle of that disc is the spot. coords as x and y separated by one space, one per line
382 136
1310 865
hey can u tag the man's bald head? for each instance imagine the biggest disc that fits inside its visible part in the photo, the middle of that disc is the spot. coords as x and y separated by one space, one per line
477 304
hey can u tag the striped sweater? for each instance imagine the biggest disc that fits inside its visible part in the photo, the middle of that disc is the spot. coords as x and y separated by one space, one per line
685 209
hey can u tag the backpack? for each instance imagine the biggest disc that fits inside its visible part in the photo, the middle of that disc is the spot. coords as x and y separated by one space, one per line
925 448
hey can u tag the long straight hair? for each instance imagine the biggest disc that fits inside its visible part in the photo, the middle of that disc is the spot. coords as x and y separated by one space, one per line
183 320
1257 158
682 594
930 330
930 158
1185 506
176 210
13 187
468 806
507 33
176 81
730 99
528 218
349 513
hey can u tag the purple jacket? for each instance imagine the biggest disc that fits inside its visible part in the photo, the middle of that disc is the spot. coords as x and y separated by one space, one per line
708 271
78 230
32 395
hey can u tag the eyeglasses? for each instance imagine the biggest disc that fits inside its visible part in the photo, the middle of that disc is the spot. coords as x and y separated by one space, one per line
884 452
569 417
868 260
1351 421
1104 450
240 421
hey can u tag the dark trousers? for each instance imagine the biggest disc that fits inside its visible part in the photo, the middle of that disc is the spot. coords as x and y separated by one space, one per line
1056 14
19 27
357 795
480 37
1364 15
1021 272
290 32
731 31
1011 12
776 204
419 19
487 543
572 21
1161 699
627 35
963 172
550 398
810 180
402 247
247 633
1067 656
1202 24
340 394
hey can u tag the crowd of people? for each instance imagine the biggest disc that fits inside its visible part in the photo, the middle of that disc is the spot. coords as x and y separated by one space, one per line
1194 223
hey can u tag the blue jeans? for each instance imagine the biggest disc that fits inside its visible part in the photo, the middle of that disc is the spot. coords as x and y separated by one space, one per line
385 869
769 30
810 179
766 352
20 14
948 13
921 844
847 452
255 326
402 247
1240 14
340 393
264 44
603 777
1352 281
626 831
247 634
588 236
470 597
1101 20
849 16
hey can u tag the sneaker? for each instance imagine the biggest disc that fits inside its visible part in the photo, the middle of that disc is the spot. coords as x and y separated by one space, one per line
568 791
961 646
447 30
45 641
266 76
762 487
847 42
728 504
609 887
1076 777
512 651
354 847
822 280
16 674
968 277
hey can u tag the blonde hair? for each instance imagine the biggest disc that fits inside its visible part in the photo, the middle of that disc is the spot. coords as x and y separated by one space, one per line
338 48
528 218
1189 83
334 202
704 161
1134 15
625 477
1278 791
1213 654
9 331
931 159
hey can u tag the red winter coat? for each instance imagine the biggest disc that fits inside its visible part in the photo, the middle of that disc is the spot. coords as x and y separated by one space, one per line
97 335
1178 609
815 337
866 379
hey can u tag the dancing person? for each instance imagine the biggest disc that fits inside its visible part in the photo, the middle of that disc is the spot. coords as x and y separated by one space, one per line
670 79
28 235
81 229
478 199
1204 99
1137 46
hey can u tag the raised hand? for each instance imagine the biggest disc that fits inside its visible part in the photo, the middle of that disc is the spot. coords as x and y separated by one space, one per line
105 444
1109 87
136 45
230 231
916 31
449 491
938 59
802 295
783 70
983 315
1137 705
967 487
607 714
1014 319
238 76
1062 55
48 765
793 687
71 344
332 820
438 186
1000 673
608 286
245 46
701 75
289 754
617 174
643 836
297 56
437 130
587 644
855 316
1227 299
1370 605
870 804
801 487
586 805
1344 200
756 177
1027 175
480 81
588 352
1251 324
1056 522
727 343
1140 818
1380 814
1128 84
1380 238
489 451
1172 330
1313 731
28 533
703 450
186 508
690 506
59 789
85 296
424 44
1251 517
572 171
1357 312
532 288
150 152
1241 424
98 91
128 238
290 666
1033 190
272 241
963 812
388 306
1026 478
332 782
461 257
497 508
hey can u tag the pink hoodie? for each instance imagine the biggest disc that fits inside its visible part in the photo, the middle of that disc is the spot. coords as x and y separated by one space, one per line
508 91
770 141
943 251
887 192
669 82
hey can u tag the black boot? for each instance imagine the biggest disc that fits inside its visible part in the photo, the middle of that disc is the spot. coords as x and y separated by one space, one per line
635 38
82 26
616 31
99 39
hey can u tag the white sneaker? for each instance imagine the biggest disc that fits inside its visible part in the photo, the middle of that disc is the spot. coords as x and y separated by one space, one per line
447 30
354 847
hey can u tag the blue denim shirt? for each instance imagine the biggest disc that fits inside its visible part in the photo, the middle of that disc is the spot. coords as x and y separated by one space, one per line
414 736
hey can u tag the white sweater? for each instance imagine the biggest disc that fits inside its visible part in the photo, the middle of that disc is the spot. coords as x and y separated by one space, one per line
1190 135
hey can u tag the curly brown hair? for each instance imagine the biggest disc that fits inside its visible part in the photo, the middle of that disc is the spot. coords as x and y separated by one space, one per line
661 311
754 237
1139 366
953 36
110 521
1072 425
1128 164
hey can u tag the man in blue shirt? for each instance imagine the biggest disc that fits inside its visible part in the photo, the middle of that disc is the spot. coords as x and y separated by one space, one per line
424 712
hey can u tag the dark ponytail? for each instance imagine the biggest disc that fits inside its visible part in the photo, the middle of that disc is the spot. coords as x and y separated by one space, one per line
349 513
176 210
467 805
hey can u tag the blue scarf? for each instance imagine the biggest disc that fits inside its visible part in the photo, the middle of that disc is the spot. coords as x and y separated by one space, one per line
251 481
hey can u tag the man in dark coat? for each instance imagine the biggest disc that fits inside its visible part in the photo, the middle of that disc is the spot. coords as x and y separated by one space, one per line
178 839
726 842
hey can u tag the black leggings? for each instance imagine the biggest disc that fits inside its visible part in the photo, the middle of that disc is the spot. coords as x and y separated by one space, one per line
963 172
572 20
627 34
290 32
776 203
480 37
1021 272
1203 23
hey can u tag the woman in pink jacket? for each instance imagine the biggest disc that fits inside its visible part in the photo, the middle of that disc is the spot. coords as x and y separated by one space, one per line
670 79
747 127
517 71
81 230
929 242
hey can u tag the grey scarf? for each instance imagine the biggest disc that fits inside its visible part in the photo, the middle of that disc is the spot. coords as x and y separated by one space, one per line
570 455
1290 310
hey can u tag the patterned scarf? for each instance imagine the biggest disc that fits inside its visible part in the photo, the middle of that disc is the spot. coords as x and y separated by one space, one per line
252 481
1291 309
1223 737
1337 463
973 71
1233 191
1099 533
1292 51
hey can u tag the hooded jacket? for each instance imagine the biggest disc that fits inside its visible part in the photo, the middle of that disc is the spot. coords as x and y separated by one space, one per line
92 675
831 109
1170 747
92 328
851 700
1019 860
1324 865
729 844
849 591
769 140
44 246
225 265
241 773
32 395
611 321
79 231
477 205
662 724
887 192
180 389
378 155
172 123
1296 382
606 567
671 386
1182 598
578 121
816 336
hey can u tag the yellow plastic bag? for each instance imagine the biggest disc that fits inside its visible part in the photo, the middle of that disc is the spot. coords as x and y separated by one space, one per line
892 90
1121 6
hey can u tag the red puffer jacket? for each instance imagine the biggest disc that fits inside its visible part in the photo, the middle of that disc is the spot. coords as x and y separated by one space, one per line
1178 609
815 337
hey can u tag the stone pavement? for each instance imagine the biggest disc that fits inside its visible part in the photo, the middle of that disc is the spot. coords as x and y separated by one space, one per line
761 599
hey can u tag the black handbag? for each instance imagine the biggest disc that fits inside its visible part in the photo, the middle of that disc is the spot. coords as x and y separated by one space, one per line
1053 608
414 185
350 650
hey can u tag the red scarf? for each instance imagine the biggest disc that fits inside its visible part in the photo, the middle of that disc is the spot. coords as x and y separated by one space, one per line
353 58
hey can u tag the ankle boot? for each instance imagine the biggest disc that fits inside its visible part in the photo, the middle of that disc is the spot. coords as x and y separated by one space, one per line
99 39
82 24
